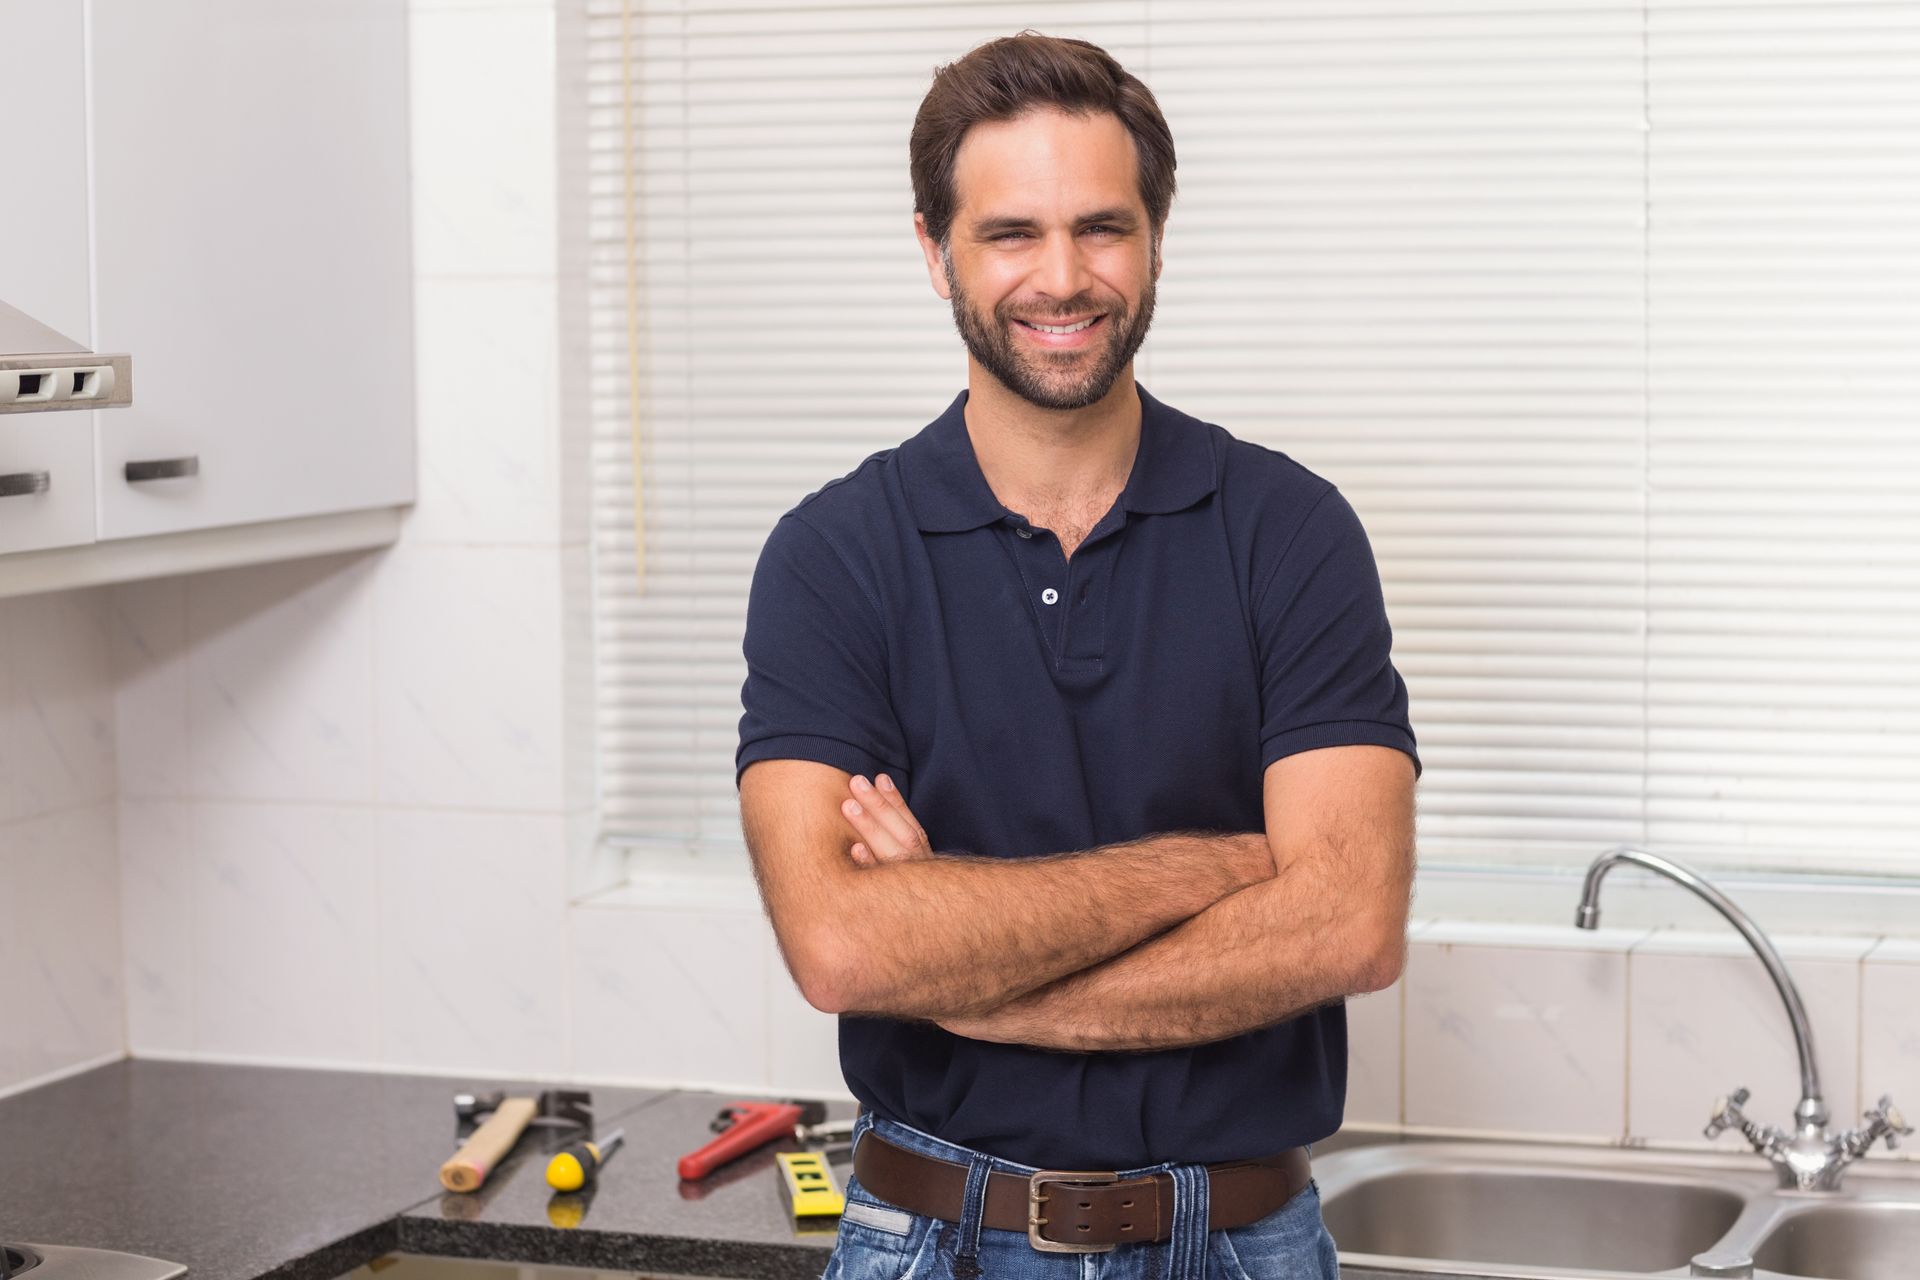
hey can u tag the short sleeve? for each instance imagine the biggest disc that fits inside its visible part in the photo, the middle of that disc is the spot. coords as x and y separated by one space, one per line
816 686
1326 670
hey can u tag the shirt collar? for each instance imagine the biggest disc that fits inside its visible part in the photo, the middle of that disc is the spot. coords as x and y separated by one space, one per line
1172 469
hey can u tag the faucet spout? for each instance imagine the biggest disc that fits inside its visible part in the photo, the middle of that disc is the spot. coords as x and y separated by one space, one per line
1812 1109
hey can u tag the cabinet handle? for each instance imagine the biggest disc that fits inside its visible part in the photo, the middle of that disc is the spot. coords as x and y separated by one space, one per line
23 483
163 469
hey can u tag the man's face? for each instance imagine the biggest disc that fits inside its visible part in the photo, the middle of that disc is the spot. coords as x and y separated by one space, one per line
1050 230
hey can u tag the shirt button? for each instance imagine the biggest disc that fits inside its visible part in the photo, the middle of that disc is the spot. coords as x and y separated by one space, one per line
1025 533
1049 595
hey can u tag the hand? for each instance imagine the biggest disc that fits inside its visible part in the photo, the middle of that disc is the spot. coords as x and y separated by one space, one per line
887 829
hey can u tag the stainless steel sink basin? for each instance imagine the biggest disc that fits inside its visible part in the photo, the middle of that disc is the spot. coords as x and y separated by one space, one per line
1558 1211
67 1262
1539 1214
1862 1241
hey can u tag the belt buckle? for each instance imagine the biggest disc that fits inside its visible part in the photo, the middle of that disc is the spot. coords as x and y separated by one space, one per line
1034 1200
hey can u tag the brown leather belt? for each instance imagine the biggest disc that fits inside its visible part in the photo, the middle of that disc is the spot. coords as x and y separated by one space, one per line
1064 1211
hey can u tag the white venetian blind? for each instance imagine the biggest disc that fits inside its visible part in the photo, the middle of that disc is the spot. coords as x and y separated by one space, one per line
1603 316
1783 485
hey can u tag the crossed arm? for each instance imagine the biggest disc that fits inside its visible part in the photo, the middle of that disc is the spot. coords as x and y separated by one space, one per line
1175 939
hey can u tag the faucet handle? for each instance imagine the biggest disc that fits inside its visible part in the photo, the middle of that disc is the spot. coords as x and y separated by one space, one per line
1885 1120
1766 1139
1726 1112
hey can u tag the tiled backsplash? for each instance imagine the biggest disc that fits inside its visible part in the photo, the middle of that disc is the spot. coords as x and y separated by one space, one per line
1612 1035
1631 1035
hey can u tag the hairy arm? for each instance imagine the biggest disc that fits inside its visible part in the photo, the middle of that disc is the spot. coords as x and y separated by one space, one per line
948 936
1330 923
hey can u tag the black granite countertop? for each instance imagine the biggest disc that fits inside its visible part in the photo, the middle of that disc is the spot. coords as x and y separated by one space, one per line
267 1173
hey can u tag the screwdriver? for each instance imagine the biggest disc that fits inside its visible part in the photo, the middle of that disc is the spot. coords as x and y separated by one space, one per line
575 1165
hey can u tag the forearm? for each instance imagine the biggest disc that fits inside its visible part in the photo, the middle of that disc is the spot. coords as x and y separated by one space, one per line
1262 955
950 935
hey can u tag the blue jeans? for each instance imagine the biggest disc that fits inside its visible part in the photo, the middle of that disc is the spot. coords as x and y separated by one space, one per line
880 1242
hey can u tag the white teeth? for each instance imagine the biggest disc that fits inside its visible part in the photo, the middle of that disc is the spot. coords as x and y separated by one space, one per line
1054 328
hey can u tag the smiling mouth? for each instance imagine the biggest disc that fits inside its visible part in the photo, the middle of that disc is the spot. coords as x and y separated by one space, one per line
1061 329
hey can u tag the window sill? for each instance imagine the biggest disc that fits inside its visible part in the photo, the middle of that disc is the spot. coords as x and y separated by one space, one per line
1843 906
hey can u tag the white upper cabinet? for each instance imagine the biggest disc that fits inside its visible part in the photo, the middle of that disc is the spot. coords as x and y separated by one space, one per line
252 252
46 459
43 217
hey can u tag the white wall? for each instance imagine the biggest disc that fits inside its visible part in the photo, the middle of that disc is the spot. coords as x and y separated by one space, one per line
60 953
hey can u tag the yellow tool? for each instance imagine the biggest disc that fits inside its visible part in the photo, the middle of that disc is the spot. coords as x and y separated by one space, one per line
577 1163
810 1185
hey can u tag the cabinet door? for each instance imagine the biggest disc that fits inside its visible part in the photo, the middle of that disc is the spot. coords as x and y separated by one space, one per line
43 215
46 479
46 459
253 255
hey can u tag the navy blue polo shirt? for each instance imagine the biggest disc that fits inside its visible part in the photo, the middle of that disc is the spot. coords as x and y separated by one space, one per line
1225 612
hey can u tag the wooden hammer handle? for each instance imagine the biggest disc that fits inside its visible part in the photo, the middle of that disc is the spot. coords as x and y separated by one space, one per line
487 1145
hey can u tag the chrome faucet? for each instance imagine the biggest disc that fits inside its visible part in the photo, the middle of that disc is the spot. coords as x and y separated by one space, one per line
1808 1158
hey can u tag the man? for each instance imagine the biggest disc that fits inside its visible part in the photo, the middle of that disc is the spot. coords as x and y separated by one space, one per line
1075 770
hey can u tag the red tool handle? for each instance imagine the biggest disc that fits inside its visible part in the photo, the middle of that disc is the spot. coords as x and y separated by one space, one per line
754 1125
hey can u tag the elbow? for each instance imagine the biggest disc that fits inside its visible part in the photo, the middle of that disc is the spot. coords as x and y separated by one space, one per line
1383 961
824 970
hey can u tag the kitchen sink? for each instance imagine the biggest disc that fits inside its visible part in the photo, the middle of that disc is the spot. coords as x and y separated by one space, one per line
1553 1211
1530 1213
1860 1241
66 1262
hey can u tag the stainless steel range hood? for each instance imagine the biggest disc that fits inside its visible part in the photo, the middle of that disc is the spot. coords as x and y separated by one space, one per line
42 370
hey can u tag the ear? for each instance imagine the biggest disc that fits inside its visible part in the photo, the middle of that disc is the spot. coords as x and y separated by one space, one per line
1159 254
930 250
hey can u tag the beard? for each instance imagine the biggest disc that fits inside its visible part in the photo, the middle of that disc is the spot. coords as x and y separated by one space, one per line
1052 379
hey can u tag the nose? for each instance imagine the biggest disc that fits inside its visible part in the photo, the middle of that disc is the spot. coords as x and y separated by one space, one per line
1062 271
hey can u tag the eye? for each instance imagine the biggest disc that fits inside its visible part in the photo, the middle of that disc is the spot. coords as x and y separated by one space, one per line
1103 227
1008 235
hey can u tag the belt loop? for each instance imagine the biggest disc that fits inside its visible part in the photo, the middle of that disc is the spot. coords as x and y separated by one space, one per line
966 1258
862 1121
1187 1246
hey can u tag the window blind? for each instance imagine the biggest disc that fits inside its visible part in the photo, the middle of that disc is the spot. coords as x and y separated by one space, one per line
1602 316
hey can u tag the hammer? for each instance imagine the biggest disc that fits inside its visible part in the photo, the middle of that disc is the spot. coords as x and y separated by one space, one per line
506 1119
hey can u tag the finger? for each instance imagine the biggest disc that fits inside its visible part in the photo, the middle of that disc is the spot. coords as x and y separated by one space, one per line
893 797
862 855
868 825
893 821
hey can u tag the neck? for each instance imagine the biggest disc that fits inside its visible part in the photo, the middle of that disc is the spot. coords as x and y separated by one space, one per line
1033 455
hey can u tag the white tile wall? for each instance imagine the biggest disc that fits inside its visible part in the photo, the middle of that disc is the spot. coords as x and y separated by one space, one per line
468 679
151 649
483 139
1518 1029
56 703
279 681
1374 1054
488 401
668 995
62 997
1890 1032
473 942
60 952
1707 1020
285 930
157 869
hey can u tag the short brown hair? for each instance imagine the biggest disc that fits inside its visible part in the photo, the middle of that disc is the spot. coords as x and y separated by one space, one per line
1008 77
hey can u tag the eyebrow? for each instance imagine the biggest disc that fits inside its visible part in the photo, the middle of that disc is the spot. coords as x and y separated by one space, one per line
986 226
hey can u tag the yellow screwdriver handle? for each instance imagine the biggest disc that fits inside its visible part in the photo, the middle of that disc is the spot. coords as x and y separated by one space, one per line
573 1167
